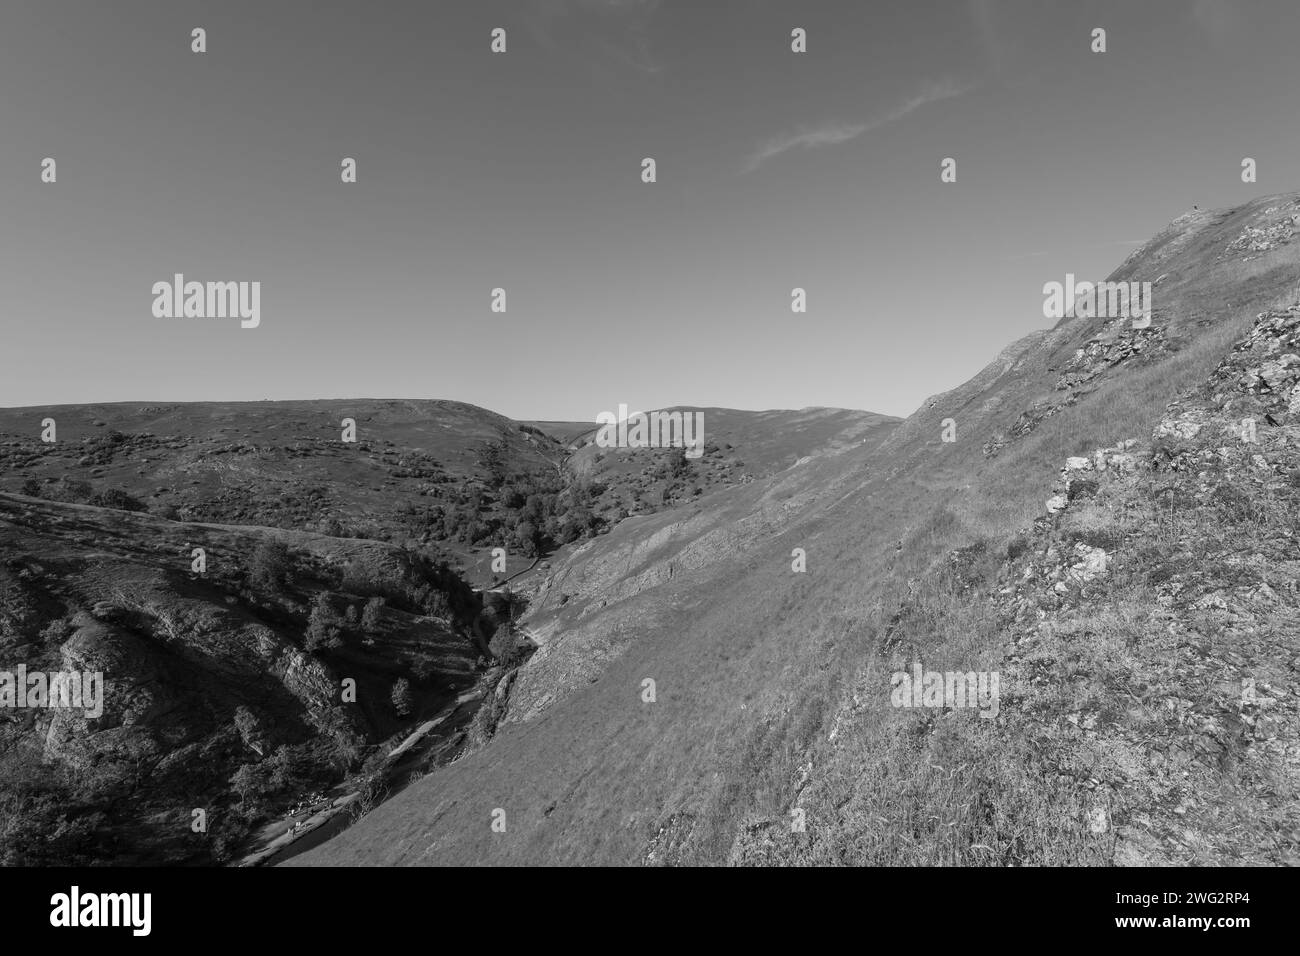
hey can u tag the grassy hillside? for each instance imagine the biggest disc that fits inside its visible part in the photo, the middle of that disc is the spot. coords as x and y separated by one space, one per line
756 666
443 476
325 562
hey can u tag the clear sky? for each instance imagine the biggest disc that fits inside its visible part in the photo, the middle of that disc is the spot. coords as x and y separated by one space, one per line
522 170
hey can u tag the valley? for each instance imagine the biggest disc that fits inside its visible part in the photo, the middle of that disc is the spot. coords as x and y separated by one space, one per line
1084 522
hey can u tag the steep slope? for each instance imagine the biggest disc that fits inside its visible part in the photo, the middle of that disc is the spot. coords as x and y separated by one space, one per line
1146 638
269 626
753 661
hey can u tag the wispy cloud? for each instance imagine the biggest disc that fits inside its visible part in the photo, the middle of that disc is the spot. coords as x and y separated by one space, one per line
834 133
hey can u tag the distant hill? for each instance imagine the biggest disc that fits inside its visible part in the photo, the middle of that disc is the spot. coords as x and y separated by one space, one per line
415 474
280 464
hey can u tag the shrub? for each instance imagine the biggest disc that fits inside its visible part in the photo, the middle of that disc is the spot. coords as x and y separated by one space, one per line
348 749
322 626
506 646
1081 488
248 726
493 459
403 699
527 537
372 613
283 767
117 499
270 565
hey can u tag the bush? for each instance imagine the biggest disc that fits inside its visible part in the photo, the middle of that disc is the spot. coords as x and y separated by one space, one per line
348 749
248 726
1081 488
372 613
117 499
506 646
403 699
493 459
322 626
270 565
227 837
528 538
284 770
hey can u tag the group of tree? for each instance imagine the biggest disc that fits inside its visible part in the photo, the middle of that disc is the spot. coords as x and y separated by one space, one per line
72 491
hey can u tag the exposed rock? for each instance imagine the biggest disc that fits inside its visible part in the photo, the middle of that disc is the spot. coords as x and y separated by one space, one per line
1115 346
1197 770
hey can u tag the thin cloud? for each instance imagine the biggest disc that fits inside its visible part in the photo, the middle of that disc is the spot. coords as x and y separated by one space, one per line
835 133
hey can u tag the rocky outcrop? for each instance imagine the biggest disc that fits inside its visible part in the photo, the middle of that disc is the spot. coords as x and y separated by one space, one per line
1280 228
1120 344
1189 728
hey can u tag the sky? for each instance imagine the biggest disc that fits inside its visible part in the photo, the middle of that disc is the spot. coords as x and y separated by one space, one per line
523 171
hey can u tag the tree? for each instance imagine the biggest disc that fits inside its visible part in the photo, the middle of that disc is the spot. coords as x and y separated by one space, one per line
527 537
284 768
678 465
249 783
372 613
117 499
322 629
505 645
494 460
403 699
269 567
347 748
248 726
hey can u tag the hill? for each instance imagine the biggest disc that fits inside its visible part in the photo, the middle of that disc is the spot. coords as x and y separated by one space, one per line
772 687
224 655
280 619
